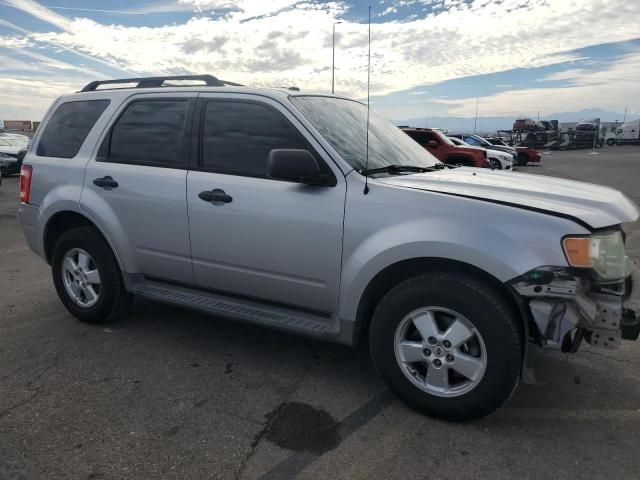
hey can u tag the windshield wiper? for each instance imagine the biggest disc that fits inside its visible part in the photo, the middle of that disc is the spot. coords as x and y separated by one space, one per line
393 168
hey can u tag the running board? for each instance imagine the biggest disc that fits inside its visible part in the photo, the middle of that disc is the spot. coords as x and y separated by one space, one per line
245 310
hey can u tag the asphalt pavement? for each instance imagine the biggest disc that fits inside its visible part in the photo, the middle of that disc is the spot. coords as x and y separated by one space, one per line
169 393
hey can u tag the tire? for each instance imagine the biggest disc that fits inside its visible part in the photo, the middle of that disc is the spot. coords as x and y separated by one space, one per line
112 298
497 333
522 159
463 161
495 164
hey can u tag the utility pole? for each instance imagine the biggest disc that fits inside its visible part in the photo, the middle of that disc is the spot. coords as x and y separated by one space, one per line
333 58
475 122
624 120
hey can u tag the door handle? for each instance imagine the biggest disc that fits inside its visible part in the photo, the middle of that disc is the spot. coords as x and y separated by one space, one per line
105 182
216 196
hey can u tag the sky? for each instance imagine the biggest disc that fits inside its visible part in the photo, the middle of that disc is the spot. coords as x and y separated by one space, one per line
428 57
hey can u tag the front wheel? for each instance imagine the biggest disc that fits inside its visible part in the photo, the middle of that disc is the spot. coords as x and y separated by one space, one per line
87 277
495 164
448 345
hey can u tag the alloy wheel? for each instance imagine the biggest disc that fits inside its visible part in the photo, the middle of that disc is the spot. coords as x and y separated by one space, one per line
80 277
440 351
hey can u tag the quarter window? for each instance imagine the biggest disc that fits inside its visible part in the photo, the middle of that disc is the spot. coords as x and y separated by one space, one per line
238 136
68 128
149 132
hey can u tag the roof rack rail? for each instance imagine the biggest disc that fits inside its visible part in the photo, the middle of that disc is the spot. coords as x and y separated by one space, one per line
153 82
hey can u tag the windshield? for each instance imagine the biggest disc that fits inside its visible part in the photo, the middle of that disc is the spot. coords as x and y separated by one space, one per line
478 141
344 124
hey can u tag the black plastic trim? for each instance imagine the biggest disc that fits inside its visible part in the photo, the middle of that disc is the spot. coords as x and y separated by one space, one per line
309 311
155 82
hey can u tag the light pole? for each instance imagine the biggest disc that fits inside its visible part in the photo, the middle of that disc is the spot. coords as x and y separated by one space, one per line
475 121
333 58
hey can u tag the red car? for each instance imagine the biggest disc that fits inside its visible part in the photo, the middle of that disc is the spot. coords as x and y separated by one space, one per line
445 150
525 154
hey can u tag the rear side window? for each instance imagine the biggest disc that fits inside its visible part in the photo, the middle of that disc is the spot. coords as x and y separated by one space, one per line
149 132
238 136
68 128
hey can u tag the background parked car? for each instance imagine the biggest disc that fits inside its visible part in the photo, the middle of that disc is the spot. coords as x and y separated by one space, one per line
441 147
9 148
478 141
525 154
497 159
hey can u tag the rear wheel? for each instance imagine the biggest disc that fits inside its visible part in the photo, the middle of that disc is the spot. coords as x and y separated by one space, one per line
523 159
448 345
87 277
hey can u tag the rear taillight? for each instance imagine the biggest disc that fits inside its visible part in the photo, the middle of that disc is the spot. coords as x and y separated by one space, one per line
25 182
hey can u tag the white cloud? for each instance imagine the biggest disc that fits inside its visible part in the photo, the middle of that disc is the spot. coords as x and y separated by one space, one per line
288 42
612 88
571 74
41 12
28 98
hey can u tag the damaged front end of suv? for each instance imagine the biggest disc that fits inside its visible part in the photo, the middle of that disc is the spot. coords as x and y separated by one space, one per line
595 299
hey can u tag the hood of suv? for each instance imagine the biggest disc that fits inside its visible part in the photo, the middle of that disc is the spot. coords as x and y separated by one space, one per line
593 205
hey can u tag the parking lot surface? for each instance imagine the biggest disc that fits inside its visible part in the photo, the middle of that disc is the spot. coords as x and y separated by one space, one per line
168 393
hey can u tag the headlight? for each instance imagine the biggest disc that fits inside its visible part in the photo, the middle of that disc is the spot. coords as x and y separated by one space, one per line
603 252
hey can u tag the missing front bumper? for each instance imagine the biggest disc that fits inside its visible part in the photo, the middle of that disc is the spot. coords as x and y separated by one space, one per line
566 309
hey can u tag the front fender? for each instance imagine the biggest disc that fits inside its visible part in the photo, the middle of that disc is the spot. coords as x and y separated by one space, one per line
502 241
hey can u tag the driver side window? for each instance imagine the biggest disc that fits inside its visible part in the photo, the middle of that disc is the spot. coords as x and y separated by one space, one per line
237 136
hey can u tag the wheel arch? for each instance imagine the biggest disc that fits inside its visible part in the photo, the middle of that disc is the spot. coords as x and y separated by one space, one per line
397 272
63 221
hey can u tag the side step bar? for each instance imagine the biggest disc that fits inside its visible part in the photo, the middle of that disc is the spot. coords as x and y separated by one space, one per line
245 310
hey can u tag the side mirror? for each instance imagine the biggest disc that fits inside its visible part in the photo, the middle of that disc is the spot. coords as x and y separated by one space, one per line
298 166
432 144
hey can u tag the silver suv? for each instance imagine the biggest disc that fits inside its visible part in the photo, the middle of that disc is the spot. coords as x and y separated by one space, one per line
283 209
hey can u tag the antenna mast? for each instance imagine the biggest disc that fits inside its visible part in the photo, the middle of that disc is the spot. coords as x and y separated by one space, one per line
366 165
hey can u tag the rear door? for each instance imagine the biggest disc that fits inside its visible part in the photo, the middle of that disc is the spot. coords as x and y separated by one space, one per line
273 241
135 187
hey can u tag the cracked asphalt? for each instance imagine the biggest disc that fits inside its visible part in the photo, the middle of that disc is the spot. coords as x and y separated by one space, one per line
168 393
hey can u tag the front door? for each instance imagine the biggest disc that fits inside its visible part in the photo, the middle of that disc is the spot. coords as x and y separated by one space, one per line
270 240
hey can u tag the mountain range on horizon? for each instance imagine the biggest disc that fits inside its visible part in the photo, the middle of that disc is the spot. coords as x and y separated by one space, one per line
492 124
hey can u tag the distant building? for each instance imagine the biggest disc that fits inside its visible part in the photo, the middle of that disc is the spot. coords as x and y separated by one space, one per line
16 124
